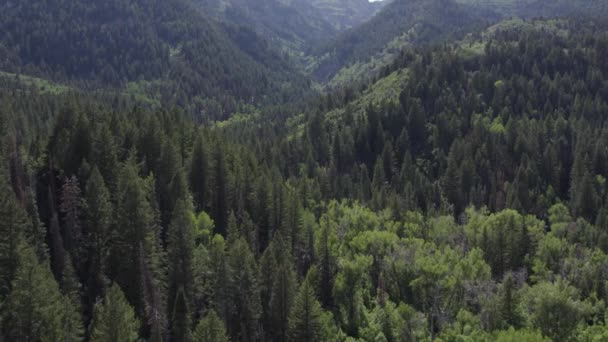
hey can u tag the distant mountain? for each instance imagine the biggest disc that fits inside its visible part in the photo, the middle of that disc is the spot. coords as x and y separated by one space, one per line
398 23
166 49
543 8
363 51
296 25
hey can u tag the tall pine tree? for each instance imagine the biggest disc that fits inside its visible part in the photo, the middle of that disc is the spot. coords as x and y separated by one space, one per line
114 319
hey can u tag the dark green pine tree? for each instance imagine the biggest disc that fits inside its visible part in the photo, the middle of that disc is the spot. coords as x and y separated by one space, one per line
279 287
114 318
181 321
219 277
244 292
210 329
98 220
71 289
199 174
133 261
104 156
586 198
71 208
180 249
452 182
13 226
220 192
281 299
168 171
305 317
509 303
326 267
35 309
233 232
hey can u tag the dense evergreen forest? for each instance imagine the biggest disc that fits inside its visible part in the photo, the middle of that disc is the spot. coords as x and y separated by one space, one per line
458 193
168 52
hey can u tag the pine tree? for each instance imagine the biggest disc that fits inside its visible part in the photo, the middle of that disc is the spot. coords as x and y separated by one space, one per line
281 299
134 258
233 232
199 174
168 170
71 208
181 321
210 329
98 219
219 277
114 319
305 317
104 156
220 192
278 288
508 303
244 292
180 249
325 266
12 232
35 308
72 313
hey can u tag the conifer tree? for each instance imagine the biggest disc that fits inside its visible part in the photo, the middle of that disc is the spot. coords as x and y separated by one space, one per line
180 249
305 317
244 293
509 310
220 192
281 299
114 318
219 277
326 268
12 233
210 329
36 310
98 220
71 208
134 256
181 321
199 174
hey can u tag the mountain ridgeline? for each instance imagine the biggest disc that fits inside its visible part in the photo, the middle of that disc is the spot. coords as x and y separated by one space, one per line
168 49
222 171
411 21
296 26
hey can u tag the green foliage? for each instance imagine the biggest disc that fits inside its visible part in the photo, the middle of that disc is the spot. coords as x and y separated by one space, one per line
305 318
162 52
210 329
555 309
347 222
13 228
114 319
244 293
512 335
35 309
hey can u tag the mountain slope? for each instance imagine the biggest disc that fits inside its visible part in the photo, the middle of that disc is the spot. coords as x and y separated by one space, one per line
295 25
402 21
540 8
167 47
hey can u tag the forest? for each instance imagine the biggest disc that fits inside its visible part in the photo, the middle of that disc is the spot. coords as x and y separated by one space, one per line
458 194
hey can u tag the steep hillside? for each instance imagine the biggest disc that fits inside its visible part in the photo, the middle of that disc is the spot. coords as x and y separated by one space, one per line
400 22
166 49
358 53
541 8
294 25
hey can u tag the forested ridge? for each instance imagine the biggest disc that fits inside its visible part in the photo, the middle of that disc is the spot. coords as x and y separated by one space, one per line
458 194
297 25
168 51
